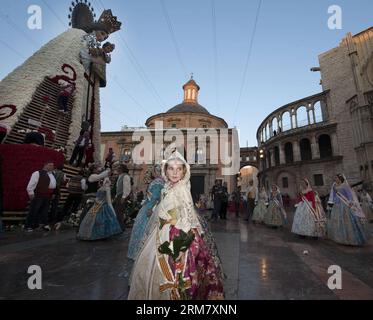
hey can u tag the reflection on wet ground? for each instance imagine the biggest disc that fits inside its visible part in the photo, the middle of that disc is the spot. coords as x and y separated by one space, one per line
260 263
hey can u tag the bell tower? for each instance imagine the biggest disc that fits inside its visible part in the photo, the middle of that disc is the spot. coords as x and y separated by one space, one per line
191 89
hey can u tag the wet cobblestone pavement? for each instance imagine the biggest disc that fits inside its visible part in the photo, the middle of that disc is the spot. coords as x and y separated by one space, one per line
260 263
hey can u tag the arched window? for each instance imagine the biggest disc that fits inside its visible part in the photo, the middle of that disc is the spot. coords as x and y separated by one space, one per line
318 112
310 115
286 121
302 118
305 149
275 126
277 156
294 121
267 132
289 157
325 146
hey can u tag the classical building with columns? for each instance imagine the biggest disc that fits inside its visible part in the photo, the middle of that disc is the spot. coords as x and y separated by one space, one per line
184 117
327 133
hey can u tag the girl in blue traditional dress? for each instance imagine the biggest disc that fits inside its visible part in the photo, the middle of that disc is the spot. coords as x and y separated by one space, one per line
101 221
347 223
153 196
275 215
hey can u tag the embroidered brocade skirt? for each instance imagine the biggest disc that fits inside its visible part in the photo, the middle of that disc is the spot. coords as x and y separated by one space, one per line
345 227
99 223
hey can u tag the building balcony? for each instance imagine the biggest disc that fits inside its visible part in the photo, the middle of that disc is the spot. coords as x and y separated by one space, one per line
308 113
297 164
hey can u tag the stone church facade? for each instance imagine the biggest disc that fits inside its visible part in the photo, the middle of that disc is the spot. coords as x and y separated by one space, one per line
189 115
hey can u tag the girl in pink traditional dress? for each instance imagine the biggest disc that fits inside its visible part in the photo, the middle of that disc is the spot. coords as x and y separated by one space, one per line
309 218
175 261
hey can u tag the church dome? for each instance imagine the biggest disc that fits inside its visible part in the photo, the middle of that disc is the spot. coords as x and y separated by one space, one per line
190 103
188 107
188 114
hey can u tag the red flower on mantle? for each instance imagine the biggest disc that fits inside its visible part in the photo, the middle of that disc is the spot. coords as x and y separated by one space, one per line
4 115
68 78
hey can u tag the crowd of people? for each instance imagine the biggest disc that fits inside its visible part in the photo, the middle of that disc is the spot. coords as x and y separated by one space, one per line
174 253
168 230
343 216
103 193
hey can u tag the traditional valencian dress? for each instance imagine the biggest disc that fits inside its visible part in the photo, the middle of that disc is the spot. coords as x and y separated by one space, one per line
347 223
159 273
275 215
309 218
100 222
138 231
261 207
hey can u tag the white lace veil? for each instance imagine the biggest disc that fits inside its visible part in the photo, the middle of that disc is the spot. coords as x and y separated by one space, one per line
177 156
277 188
308 186
355 199
187 216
